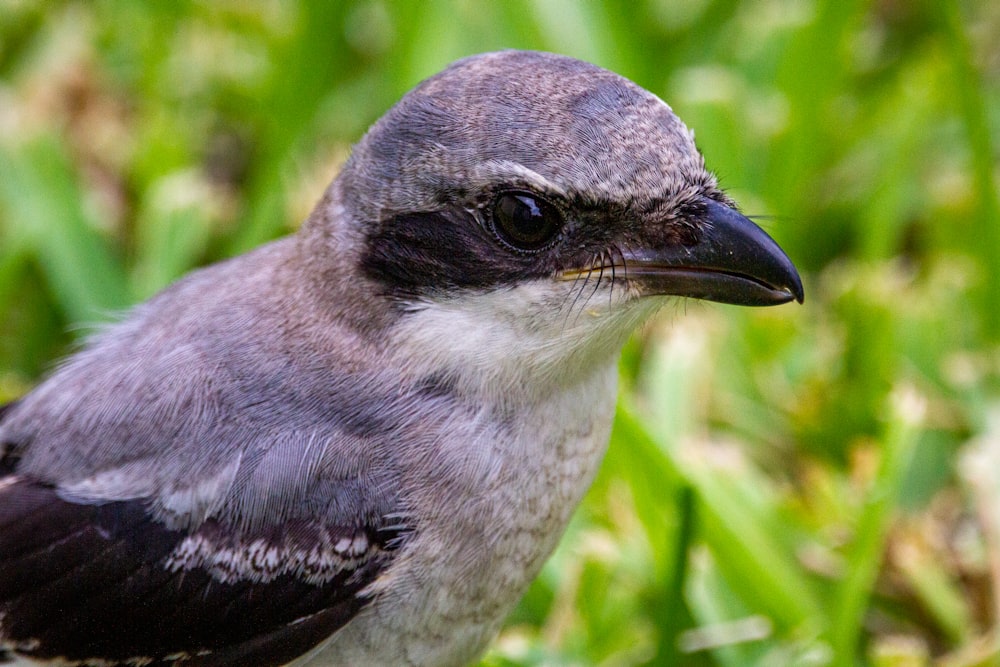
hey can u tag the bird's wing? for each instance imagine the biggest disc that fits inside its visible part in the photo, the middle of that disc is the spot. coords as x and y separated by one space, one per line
108 582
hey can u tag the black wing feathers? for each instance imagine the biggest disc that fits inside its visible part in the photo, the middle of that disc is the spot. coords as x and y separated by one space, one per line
94 583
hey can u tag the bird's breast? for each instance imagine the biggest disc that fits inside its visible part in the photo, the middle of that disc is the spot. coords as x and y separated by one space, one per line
487 526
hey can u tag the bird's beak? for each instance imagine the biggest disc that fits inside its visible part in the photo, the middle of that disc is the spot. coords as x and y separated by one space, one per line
734 261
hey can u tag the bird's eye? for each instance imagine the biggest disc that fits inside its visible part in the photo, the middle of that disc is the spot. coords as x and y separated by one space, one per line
525 222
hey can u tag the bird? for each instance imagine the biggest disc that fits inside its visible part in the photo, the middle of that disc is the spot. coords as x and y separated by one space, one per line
358 444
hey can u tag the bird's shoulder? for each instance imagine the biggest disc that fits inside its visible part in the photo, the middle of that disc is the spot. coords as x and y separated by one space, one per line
179 493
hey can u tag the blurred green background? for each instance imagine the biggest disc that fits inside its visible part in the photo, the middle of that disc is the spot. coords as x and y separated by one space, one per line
791 486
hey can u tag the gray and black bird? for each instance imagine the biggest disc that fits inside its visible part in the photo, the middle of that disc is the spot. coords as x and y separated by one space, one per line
357 445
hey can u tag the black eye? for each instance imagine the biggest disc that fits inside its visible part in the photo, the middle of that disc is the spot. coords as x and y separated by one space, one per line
525 222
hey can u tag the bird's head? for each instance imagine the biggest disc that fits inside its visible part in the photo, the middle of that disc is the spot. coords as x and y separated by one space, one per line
520 207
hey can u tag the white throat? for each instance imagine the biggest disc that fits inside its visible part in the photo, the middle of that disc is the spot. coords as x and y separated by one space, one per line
513 345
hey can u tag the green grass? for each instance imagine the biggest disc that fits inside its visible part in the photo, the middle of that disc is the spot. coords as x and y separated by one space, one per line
795 486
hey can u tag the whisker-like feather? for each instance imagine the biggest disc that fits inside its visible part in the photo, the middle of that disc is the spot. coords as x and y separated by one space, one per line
583 285
595 260
614 276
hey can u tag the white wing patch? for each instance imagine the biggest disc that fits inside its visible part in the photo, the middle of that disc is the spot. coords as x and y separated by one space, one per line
263 559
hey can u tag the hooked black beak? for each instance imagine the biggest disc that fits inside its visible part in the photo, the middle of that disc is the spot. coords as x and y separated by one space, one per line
734 261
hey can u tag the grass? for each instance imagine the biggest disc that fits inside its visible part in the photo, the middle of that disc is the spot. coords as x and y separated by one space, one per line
811 485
